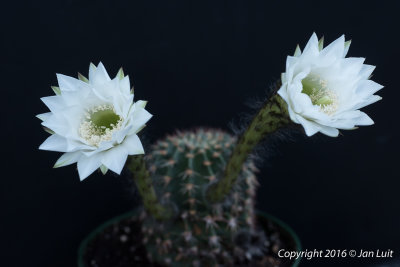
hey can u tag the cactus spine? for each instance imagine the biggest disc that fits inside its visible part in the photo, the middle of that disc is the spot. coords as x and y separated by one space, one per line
201 233
199 193
145 186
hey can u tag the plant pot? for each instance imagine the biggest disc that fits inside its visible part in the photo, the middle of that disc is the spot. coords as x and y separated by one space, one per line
108 230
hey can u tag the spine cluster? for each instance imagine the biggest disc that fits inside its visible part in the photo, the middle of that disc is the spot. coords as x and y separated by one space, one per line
201 233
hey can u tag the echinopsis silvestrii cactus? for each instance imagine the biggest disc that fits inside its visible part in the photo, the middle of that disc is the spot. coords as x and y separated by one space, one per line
183 166
198 189
198 186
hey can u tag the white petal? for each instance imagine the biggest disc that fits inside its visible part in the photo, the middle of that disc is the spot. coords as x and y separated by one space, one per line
59 143
125 85
121 134
366 71
92 70
334 49
105 145
99 75
329 131
347 120
139 118
310 127
65 122
67 159
290 61
141 103
44 116
115 158
345 124
133 145
363 119
67 83
300 75
293 115
367 88
301 103
54 103
105 91
126 104
282 92
58 124
370 100
312 45
87 165
351 66
55 143
283 78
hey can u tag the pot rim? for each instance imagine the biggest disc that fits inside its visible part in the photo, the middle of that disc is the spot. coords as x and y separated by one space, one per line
93 233
286 228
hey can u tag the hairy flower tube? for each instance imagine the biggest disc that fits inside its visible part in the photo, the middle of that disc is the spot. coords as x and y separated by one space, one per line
324 90
94 121
321 89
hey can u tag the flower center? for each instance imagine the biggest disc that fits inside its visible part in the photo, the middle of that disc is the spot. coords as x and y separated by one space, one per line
99 124
319 93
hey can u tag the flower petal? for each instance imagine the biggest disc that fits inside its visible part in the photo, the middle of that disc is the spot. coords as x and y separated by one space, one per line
125 85
310 127
329 131
363 119
334 49
133 145
343 81
311 46
55 142
141 103
367 88
370 100
67 83
139 118
78 98
99 75
297 52
366 71
54 103
114 159
44 116
67 159
87 165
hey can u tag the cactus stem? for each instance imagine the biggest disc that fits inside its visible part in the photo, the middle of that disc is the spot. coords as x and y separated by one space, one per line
272 116
141 176
207 163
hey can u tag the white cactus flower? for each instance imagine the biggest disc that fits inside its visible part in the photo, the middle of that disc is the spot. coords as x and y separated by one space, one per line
324 90
94 121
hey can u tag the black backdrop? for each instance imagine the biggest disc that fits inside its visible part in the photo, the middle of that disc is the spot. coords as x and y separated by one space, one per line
197 62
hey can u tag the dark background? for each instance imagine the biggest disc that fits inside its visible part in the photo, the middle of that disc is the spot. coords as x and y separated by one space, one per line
197 62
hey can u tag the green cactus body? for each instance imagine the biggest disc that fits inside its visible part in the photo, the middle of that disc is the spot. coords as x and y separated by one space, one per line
182 167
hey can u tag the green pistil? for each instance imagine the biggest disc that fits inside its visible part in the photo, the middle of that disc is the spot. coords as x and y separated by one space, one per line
317 90
323 101
103 119
309 85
